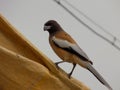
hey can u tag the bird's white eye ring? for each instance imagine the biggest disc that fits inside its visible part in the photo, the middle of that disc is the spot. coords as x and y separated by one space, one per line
47 28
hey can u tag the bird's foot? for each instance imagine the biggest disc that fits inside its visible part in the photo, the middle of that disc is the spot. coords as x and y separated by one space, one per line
56 64
69 75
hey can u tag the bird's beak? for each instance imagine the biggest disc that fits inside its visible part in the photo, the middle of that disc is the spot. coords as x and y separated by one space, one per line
47 28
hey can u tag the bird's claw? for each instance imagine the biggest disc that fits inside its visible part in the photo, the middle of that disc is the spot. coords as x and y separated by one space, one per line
69 75
56 64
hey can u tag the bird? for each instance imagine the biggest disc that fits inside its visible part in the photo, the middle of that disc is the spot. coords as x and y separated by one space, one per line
69 51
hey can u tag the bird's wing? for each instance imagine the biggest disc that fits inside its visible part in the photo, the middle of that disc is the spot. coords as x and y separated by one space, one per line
71 47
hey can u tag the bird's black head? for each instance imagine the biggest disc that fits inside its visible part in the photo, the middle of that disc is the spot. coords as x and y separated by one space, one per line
52 26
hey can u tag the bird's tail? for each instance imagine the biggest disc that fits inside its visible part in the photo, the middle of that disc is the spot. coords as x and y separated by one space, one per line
98 76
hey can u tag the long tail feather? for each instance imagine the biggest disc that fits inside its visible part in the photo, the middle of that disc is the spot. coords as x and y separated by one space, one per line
98 76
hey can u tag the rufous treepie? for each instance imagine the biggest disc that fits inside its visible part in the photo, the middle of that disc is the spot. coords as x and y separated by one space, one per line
68 50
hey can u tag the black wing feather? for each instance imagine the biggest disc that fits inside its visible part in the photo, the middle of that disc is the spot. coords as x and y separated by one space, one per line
71 50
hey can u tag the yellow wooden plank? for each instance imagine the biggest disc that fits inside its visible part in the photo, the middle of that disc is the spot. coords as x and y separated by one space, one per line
24 67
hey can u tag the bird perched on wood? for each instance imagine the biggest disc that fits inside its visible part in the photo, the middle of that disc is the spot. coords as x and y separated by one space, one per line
68 50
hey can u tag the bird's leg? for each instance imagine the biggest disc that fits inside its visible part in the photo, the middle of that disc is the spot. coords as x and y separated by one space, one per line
59 63
69 75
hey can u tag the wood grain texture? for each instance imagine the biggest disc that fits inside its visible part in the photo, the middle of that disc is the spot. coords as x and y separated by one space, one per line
24 67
